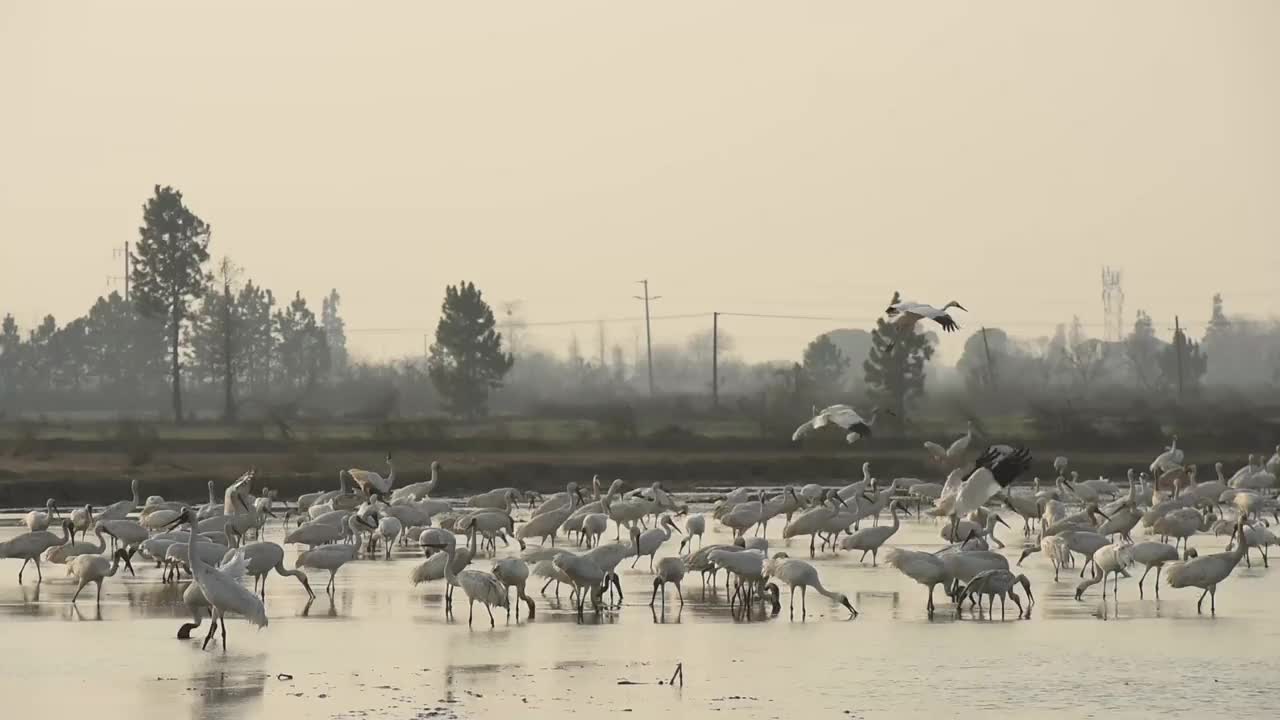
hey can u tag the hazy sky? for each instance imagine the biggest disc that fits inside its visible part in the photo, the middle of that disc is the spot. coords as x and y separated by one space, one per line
775 157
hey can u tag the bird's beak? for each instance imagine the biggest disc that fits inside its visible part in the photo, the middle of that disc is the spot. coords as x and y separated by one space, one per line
1067 482
1102 513
1001 521
1024 555
849 605
962 307
866 497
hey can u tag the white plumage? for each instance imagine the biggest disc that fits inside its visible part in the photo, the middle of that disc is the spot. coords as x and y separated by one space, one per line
224 593
844 416
373 484
802 575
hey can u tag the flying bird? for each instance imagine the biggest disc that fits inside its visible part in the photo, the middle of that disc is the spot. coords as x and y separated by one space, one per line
844 416
906 314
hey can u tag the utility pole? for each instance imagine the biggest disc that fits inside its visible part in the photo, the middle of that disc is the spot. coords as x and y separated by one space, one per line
991 369
648 331
1177 348
715 359
117 252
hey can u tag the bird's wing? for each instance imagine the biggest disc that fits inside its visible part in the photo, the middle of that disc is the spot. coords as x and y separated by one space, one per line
935 450
959 446
955 479
945 320
365 478
234 567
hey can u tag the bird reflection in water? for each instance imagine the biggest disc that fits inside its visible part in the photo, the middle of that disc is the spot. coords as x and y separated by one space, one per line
226 686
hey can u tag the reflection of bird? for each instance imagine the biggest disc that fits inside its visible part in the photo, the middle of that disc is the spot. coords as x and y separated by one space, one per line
844 416
373 484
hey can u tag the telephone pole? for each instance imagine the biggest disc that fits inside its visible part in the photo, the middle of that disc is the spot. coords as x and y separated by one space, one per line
1177 348
715 359
991 370
648 332
117 252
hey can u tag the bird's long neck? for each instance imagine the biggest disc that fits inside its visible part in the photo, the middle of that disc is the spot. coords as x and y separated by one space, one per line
817 585
281 570
102 543
896 522
874 414
391 473
450 553
137 499
115 565
212 500
435 478
193 558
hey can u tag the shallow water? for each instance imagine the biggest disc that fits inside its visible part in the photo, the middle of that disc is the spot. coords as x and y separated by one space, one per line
382 648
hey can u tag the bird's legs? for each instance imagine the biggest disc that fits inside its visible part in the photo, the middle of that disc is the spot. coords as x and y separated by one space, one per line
679 593
490 611
213 617
804 593
472 613
812 538
1213 599
224 631
1144 577
1158 568
1200 602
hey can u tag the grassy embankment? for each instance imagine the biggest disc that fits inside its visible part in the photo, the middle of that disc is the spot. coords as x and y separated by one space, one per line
92 462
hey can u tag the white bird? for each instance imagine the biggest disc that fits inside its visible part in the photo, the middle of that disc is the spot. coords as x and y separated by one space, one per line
224 593
317 533
748 566
593 527
389 528
906 314
197 604
433 568
800 574
694 525
548 524
212 508
1168 460
1206 572
372 484
1152 555
669 570
60 554
992 583
584 574
505 499
744 516
481 587
925 568
260 559
418 490
1113 559
869 540
38 520
93 569
994 471
953 454
815 520
327 557
514 572
651 541
1055 548
844 416
125 532
121 509
81 520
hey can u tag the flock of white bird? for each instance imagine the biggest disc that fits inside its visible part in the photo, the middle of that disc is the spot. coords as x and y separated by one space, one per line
1089 523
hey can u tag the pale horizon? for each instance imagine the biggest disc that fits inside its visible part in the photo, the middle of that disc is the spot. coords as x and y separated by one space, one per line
743 156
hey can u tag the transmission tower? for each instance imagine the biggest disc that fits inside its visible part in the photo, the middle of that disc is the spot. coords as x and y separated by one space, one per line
1112 305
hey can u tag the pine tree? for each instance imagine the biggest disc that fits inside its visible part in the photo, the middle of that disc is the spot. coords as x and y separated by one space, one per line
168 270
896 374
335 333
467 360
825 365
